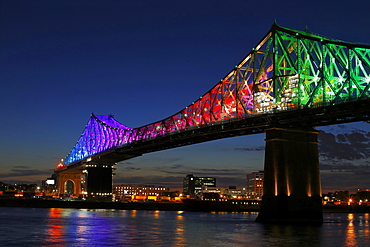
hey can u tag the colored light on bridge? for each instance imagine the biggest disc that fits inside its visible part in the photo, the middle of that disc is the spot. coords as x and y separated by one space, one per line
310 75
60 165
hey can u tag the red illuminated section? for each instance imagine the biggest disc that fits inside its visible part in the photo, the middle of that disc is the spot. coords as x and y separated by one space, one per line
230 99
60 165
246 91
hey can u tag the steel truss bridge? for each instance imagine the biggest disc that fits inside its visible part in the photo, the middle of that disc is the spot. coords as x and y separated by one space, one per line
291 80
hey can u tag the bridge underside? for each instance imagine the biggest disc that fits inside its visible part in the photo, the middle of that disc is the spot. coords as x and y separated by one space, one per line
356 111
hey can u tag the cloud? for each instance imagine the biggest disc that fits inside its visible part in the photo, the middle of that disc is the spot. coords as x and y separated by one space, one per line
162 160
344 158
125 163
21 167
344 146
260 148
199 171
174 169
26 172
345 168
332 182
176 166
172 182
229 181
27 176
131 168
24 180
209 172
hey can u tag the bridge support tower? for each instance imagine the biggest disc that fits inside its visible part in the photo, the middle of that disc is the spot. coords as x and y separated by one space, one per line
292 185
91 181
99 182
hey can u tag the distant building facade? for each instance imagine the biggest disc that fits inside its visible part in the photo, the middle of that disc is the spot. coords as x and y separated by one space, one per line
226 192
142 192
193 185
254 188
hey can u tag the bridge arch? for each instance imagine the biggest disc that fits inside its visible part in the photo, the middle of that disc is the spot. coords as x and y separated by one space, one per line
69 187
69 183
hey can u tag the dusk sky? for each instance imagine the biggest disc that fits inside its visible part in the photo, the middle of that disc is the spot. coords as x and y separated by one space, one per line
143 61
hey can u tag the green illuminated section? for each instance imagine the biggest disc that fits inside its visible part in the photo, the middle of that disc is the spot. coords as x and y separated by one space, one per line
309 71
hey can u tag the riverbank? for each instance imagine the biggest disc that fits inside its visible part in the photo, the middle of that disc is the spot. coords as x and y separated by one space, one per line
346 209
167 206
37 203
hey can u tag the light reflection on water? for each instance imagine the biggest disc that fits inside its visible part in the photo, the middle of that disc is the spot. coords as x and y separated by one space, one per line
82 227
350 232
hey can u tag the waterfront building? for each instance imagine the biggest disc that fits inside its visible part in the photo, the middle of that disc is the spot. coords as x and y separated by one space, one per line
254 189
212 190
361 197
140 193
193 185
231 192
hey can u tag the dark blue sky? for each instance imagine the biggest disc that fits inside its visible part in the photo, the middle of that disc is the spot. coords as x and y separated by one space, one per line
143 61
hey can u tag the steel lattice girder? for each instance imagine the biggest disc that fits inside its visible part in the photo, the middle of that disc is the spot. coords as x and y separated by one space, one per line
287 70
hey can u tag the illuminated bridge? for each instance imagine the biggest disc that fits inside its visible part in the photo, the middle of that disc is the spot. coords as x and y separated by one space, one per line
289 83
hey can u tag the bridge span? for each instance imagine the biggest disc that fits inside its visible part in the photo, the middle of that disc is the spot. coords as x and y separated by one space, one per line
289 83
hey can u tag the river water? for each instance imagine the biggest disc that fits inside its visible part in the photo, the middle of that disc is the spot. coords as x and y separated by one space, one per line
86 227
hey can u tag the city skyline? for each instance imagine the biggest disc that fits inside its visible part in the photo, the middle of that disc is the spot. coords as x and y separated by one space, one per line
142 62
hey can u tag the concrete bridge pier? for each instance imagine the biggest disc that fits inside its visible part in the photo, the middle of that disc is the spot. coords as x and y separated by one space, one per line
99 182
92 181
292 185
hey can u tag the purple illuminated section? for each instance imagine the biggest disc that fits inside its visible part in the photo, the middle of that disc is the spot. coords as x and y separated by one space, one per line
100 134
110 121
